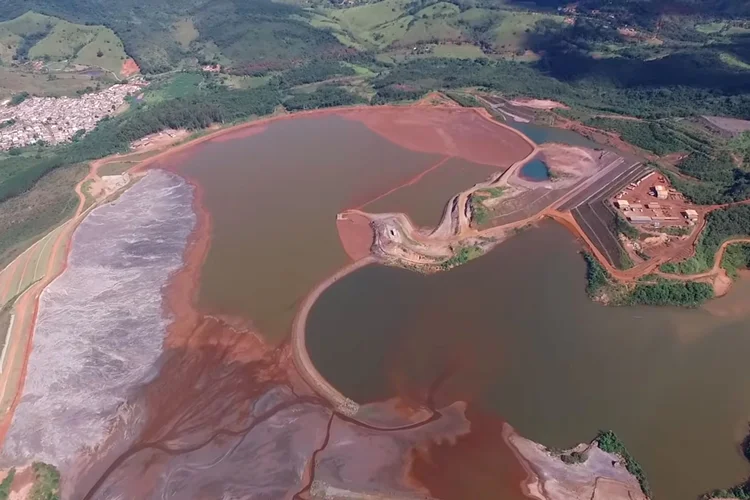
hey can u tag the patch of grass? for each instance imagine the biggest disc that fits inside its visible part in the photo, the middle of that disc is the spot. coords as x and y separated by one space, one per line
63 42
115 168
361 70
710 28
463 51
464 255
362 19
511 33
36 36
14 80
104 51
465 100
46 482
479 212
732 60
185 32
18 35
609 442
8 481
27 217
88 197
178 85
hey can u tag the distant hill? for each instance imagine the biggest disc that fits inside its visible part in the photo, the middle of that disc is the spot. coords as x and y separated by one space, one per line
163 34
34 36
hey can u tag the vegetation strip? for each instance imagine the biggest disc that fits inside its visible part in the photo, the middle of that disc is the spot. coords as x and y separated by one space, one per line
609 442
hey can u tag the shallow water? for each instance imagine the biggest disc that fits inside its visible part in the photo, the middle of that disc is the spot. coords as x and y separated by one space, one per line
529 346
100 327
535 170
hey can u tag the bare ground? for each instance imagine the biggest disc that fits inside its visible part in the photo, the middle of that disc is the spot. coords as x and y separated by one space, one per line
602 476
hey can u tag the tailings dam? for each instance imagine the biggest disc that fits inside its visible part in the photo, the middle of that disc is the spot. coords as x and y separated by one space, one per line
162 353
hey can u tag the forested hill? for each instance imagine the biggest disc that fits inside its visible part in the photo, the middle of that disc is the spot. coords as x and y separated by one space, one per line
643 8
160 34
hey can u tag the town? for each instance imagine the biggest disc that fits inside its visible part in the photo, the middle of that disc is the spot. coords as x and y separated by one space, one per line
57 119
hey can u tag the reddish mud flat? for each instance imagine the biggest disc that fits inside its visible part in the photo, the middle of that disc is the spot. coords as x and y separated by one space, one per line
467 133
356 235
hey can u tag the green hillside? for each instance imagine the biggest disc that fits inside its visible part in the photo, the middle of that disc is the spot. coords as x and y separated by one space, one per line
34 36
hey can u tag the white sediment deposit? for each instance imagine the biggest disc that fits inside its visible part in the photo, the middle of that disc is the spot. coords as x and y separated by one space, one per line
101 324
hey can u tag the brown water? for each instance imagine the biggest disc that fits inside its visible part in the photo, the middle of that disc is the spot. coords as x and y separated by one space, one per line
434 190
528 345
273 199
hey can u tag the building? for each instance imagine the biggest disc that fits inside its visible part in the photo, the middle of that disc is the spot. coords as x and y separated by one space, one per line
661 192
690 214
653 206
622 204
639 219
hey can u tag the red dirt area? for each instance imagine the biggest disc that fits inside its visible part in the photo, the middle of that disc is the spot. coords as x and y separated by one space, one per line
355 234
467 133
129 68
479 462
240 133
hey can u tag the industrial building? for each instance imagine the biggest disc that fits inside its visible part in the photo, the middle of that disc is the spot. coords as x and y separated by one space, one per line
661 192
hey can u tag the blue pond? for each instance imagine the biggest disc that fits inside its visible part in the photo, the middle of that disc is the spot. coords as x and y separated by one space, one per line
535 170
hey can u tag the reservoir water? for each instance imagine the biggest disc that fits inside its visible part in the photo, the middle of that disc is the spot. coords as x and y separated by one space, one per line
535 170
273 198
529 346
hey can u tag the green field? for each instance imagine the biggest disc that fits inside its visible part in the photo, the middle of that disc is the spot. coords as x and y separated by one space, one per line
177 85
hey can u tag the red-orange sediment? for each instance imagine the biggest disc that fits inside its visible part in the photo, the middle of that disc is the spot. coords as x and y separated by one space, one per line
481 463
469 133
356 235
129 67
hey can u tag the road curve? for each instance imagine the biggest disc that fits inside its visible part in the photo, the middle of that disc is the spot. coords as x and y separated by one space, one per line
300 356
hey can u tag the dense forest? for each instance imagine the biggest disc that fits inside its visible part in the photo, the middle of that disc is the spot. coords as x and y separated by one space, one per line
714 179
512 78
660 138
670 293
721 225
